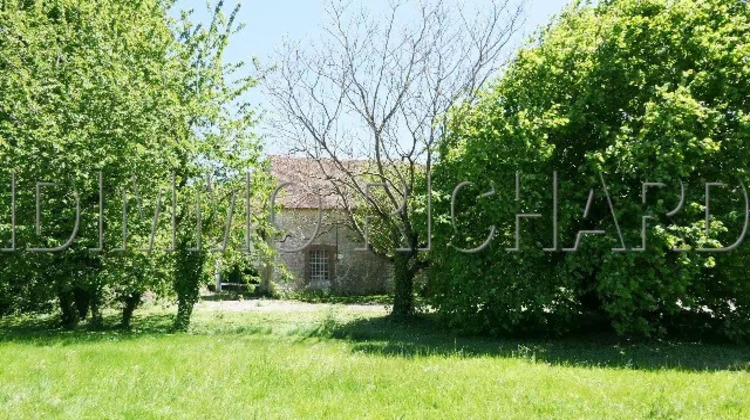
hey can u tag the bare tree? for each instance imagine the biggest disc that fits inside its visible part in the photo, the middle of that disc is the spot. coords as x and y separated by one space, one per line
367 104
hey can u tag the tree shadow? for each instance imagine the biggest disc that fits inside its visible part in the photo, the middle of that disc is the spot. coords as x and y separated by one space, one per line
46 330
424 336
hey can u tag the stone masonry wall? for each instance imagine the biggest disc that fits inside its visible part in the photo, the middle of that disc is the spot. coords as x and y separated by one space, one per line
355 273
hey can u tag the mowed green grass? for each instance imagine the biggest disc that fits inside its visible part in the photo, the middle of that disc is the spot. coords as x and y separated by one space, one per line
291 360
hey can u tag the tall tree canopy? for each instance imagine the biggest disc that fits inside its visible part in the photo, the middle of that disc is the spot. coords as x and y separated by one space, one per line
619 94
117 88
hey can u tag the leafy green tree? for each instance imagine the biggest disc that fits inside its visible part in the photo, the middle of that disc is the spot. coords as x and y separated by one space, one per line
81 95
608 97
122 90
215 141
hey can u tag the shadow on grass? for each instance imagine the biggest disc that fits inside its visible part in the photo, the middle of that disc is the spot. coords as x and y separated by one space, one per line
419 337
46 330
423 336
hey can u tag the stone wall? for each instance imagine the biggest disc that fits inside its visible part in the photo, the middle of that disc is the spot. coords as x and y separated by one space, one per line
355 272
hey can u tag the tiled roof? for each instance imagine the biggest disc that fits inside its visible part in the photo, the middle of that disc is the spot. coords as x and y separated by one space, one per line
310 177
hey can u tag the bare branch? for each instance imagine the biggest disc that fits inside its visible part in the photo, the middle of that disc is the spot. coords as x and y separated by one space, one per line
378 86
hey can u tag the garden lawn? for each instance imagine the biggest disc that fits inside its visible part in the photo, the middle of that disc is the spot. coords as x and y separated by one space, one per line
270 359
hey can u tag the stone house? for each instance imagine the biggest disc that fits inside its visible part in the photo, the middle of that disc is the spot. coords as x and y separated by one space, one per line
335 260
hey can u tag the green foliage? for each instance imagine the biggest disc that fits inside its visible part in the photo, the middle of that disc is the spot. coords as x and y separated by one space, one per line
634 91
121 89
84 90
215 139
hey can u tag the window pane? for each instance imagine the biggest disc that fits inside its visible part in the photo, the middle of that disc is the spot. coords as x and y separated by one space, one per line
318 265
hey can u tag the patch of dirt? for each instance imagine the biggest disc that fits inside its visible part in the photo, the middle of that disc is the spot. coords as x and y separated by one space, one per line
270 306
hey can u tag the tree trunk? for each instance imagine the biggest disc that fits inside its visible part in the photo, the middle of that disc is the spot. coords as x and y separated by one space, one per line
131 303
188 275
184 312
68 311
96 313
82 302
403 276
95 306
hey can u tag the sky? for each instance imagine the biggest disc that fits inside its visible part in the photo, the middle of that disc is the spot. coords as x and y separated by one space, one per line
268 22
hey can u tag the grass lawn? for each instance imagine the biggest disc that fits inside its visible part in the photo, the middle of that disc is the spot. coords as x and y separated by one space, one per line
296 360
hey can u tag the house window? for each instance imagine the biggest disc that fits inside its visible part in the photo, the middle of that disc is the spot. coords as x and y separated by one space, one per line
320 263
